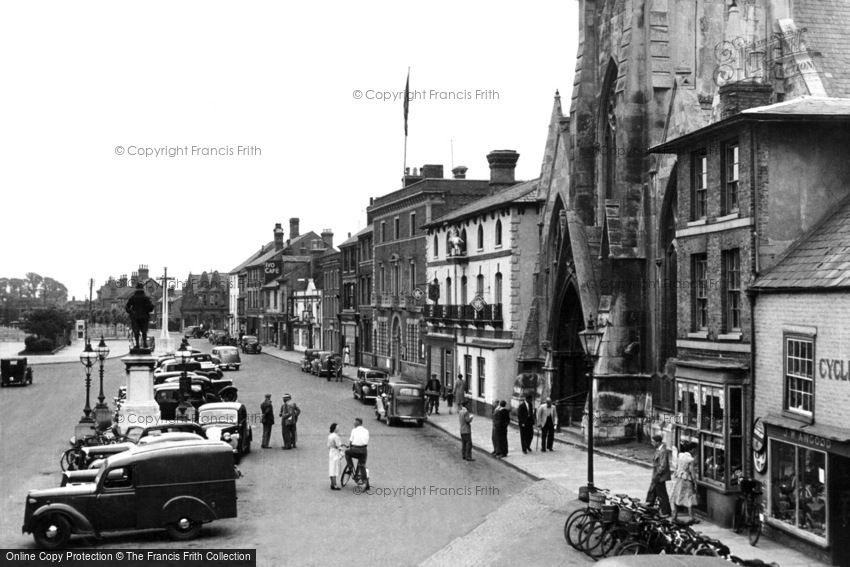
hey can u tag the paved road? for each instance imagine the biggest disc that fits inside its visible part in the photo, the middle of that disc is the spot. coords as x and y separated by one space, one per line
424 498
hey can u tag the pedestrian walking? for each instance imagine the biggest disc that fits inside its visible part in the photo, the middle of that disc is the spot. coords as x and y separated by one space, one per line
267 411
465 419
494 435
660 475
459 391
525 417
503 420
346 356
432 391
289 413
449 396
684 483
335 456
547 421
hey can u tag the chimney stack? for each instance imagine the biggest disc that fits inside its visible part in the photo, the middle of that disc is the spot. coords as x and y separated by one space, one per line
144 273
741 95
432 171
122 281
328 237
134 279
293 228
502 166
459 172
278 237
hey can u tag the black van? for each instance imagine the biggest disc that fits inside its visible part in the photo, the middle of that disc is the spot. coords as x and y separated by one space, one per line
177 486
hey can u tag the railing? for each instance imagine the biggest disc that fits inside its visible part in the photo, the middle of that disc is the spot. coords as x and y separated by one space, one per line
490 313
569 406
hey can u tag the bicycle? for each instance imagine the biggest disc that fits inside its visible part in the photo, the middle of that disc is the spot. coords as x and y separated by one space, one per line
360 474
73 458
748 510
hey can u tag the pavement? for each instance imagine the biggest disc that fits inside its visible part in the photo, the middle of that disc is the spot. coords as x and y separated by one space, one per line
621 469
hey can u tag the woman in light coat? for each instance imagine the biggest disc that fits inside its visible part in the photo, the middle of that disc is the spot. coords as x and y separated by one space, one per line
335 456
684 485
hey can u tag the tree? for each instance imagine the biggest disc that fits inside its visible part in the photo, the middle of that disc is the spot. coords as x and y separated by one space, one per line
47 323
32 283
55 292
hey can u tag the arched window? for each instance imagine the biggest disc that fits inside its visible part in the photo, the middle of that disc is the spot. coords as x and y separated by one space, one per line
480 237
464 241
497 288
479 285
498 236
436 246
463 290
448 291
448 243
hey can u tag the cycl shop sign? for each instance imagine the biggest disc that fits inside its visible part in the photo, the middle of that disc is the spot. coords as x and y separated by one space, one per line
834 369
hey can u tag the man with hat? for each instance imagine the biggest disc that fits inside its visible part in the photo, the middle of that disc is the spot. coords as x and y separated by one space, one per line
267 412
660 475
547 421
289 413
465 419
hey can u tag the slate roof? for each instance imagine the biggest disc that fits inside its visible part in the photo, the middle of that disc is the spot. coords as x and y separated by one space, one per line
252 257
523 192
827 40
820 260
354 237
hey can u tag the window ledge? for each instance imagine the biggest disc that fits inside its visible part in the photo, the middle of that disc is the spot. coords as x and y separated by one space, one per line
497 247
698 335
735 336
802 418
699 222
730 216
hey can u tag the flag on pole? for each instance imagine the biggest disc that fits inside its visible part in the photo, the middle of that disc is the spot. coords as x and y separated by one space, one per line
406 100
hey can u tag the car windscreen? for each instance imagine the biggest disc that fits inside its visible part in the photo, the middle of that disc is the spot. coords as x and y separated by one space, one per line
217 417
375 375
411 392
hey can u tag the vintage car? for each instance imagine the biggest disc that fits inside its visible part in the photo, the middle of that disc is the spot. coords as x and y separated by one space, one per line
230 421
327 364
228 357
307 362
15 372
367 383
209 386
94 457
136 433
167 395
218 337
177 486
193 332
401 401
208 369
250 344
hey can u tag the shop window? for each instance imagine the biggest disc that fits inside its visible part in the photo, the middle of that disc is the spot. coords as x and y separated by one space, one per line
799 375
798 487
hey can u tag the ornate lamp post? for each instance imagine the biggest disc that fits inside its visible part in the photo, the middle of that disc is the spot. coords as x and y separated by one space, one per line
102 415
590 337
184 355
88 357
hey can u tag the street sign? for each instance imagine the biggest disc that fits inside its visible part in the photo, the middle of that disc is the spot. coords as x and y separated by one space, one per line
478 303
417 294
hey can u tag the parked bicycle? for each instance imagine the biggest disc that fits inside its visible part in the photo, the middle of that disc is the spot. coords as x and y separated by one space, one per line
73 457
748 510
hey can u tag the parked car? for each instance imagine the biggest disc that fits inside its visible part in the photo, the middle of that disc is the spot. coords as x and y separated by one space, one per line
231 419
367 383
177 486
171 355
161 427
219 337
192 332
664 561
172 365
228 357
401 401
167 395
319 366
15 372
95 457
208 386
307 362
250 344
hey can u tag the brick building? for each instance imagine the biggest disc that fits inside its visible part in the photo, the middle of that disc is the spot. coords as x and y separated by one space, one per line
205 300
330 265
350 316
733 220
802 389
399 262
480 286
365 353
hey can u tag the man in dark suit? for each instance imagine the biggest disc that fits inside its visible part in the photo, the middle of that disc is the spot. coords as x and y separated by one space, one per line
525 417
268 420
502 419
660 475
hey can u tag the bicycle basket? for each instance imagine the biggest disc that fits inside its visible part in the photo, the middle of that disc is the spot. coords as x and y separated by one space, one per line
596 501
582 493
610 513
627 515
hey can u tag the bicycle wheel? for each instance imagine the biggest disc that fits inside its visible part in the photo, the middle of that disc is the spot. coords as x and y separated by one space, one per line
591 536
631 547
612 537
754 525
68 459
345 476
574 527
570 518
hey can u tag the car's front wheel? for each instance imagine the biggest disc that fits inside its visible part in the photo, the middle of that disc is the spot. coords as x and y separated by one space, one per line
52 531
183 529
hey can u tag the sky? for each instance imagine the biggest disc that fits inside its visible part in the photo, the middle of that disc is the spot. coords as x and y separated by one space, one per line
176 134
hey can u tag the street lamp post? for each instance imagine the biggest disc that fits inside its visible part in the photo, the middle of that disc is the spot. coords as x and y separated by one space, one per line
590 337
184 355
88 357
102 415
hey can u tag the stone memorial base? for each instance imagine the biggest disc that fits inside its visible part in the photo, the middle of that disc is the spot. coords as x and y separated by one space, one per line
139 409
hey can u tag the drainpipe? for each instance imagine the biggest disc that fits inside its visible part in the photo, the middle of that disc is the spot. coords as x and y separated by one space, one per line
749 418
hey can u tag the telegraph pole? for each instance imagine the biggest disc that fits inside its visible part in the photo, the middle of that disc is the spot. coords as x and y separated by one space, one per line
163 335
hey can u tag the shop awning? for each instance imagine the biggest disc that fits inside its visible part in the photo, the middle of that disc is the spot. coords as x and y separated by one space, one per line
439 340
710 370
817 436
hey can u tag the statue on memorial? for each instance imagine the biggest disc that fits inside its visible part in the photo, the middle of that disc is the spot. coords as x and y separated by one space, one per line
139 307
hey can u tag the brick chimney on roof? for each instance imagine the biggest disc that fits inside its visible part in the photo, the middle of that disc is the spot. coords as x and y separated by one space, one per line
134 279
328 237
432 171
143 273
502 166
459 172
741 95
293 228
278 237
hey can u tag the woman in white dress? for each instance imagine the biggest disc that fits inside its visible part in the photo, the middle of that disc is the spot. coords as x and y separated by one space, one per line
684 486
335 456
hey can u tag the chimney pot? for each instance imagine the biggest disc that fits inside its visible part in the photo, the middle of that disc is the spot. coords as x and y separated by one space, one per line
293 227
459 172
502 166
328 237
432 171
278 237
741 95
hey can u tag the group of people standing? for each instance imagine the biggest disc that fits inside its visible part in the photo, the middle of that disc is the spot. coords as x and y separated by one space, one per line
682 471
289 413
356 448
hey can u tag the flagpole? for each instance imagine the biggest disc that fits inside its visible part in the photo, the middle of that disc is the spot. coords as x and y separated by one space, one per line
406 107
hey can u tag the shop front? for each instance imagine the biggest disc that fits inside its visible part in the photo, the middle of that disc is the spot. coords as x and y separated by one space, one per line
806 473
440 358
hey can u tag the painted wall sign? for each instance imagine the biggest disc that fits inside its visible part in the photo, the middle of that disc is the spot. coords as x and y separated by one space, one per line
834 369
807 439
